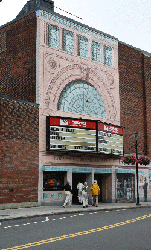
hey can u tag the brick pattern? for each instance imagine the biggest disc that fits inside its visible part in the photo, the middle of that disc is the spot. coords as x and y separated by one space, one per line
18 59
135 99
147 90
19 152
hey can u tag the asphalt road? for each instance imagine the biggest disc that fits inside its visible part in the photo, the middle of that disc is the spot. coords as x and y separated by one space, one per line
106 230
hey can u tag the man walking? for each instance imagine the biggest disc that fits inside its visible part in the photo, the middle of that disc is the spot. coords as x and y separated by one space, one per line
95 193
79 187
68 192
85 195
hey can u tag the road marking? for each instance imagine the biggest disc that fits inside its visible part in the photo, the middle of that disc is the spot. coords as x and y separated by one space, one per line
67 236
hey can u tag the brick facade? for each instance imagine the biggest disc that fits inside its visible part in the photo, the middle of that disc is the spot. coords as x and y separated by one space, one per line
135 98
18 59
20 152
24 124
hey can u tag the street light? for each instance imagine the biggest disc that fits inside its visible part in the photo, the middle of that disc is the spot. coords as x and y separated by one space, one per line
136 138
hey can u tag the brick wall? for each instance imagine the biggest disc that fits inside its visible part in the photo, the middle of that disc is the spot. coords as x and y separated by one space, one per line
19 152
134 77
18 59
147 90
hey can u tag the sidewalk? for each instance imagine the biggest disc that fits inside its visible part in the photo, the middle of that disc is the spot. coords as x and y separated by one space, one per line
8 214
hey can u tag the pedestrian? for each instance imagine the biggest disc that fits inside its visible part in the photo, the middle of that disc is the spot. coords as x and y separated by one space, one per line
85 195
95 193
68 193
79 187
145 189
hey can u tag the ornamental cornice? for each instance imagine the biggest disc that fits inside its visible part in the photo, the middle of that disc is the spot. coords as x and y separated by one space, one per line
79 27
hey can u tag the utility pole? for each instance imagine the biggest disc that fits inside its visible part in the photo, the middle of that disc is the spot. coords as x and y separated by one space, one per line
136 138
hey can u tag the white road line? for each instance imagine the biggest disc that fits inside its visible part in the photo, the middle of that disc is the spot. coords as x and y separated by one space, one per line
16 225
35 222
95 212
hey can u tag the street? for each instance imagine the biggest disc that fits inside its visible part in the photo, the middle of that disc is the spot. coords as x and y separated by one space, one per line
118 229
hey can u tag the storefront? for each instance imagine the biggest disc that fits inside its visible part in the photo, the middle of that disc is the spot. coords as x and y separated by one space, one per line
125 185
54 179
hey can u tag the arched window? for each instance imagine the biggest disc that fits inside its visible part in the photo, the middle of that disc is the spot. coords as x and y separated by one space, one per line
80 97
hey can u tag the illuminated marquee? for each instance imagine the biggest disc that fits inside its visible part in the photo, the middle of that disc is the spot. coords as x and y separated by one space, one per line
72 134
66 134
110 139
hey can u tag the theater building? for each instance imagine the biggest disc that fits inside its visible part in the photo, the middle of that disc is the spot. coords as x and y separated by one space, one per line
73 73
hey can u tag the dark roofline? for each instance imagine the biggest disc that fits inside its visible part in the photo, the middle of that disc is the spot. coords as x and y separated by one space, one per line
19 101
59 15
145 53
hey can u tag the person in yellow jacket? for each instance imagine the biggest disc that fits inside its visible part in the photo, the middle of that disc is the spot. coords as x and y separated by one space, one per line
95 193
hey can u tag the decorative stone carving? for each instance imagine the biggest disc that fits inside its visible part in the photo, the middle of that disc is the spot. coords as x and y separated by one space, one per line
109 80
52 63
84 72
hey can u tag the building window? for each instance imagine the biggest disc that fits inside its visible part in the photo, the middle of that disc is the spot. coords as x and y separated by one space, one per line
53 180
53 36
96 53
83 47
68 43
108 55
80 97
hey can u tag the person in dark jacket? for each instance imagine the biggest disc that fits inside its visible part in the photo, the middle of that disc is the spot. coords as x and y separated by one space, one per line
68 192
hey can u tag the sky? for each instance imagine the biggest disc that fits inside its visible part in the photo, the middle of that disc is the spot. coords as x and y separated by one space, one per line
127 20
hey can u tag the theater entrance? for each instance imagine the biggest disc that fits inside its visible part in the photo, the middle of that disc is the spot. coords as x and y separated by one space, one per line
76 178
105 184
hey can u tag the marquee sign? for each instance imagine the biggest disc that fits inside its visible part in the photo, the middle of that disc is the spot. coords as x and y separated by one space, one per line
110 139
71 134
67 134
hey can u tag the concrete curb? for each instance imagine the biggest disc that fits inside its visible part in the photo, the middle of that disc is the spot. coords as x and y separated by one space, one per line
31 212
